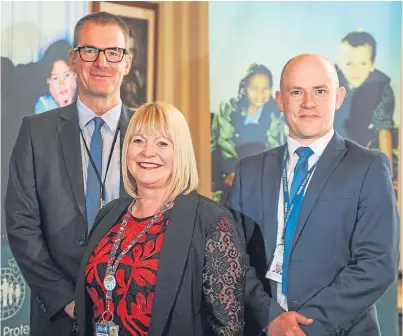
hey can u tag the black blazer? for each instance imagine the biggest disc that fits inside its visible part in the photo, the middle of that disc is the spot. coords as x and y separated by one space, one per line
179 307
45 212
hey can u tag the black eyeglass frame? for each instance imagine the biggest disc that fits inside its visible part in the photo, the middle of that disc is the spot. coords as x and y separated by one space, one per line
99 51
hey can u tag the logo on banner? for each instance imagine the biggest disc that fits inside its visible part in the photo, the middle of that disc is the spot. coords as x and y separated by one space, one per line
12 290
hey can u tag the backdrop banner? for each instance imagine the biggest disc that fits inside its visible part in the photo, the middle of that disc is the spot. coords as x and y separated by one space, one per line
35 77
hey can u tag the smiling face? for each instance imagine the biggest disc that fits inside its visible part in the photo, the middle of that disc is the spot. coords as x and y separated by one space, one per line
258 90
62 83
309 97
150 160
100 78
355 63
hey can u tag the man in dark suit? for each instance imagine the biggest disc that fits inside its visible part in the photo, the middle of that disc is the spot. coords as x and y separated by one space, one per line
65 165
336 242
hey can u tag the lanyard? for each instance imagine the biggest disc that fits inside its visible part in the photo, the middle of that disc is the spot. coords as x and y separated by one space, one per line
97 173
110 280
288 207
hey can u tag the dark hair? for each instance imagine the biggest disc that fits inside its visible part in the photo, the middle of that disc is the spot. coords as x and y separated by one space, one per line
253 69
358 39
101 18
57 51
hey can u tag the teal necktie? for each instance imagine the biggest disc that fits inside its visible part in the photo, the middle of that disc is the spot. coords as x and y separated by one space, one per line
300 171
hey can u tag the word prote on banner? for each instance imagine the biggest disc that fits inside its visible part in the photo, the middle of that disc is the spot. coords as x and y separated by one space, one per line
17 331
14 297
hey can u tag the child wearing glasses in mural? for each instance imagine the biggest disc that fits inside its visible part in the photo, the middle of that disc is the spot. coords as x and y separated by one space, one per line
60 78
246 125
366 115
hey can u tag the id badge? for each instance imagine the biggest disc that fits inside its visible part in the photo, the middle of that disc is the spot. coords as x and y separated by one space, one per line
275 271
106 329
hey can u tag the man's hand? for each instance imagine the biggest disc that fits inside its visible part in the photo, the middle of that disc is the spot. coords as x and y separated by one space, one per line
286 324
69 309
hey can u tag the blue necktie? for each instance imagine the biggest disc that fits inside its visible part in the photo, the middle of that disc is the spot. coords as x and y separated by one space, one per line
93 189
300 171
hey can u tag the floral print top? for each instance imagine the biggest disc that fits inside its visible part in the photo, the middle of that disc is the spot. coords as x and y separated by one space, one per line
136 276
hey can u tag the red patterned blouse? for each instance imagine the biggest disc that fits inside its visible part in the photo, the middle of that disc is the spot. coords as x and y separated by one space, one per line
136 274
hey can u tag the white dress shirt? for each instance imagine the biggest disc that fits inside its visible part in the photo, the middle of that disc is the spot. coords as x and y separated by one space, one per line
317 147
111 118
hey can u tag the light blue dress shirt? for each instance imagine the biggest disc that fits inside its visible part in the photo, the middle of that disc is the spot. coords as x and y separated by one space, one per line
111 118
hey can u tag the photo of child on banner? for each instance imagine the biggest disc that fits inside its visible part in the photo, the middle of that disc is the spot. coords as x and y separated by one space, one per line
60 78
245 125
366 116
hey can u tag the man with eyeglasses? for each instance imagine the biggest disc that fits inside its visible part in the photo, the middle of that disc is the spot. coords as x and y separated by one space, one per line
65 166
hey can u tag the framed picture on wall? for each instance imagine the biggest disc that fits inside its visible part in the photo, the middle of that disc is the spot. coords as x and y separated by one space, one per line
139 86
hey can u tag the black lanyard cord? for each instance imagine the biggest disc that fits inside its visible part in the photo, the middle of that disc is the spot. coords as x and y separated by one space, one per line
101 184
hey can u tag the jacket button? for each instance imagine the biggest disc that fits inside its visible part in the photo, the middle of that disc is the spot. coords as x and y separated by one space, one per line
81 242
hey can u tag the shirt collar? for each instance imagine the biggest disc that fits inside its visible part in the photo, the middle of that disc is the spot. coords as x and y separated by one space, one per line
255 118
111 117
318 146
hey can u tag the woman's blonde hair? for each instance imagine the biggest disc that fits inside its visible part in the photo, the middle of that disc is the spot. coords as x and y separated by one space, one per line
162 119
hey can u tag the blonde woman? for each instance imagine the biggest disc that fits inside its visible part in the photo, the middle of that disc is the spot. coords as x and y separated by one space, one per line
166 260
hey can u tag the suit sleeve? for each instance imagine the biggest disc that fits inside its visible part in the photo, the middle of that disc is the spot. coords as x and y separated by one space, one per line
264 308
50 287
374 258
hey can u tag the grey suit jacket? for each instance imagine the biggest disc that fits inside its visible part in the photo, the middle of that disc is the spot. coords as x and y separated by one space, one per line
345 251
45 212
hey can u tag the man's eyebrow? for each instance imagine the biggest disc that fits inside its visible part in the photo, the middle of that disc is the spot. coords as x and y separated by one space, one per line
316 87
320 87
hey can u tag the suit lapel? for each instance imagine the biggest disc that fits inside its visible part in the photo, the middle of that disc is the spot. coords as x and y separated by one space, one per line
108 221
173 257
124 119
329 160
105 223
69 136
270 192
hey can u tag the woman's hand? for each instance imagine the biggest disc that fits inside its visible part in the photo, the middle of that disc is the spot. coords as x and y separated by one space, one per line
69 309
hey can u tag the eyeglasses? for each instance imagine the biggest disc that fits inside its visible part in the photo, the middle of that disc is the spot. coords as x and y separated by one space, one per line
91 54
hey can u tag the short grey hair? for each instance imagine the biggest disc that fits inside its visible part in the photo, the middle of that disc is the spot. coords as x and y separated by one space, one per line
101 18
